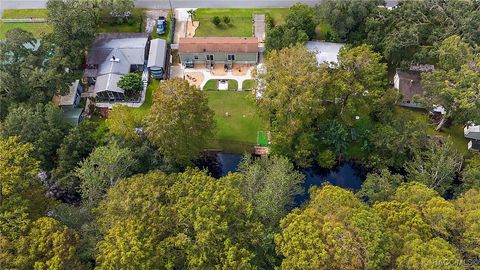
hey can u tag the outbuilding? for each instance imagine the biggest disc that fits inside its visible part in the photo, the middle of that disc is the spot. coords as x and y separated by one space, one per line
156 58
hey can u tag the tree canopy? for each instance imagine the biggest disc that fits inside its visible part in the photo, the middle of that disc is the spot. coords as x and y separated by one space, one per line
180 121
186 220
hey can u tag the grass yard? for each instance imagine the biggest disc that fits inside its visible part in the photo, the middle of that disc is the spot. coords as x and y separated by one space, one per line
24 13
143 110
38 29
454 134
211 85
136 24
247 85
232 85
236 132
241 24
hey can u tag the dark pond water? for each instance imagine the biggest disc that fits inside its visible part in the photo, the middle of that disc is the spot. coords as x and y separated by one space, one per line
346 175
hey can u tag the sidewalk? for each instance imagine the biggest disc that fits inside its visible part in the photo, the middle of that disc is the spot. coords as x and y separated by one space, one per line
229 76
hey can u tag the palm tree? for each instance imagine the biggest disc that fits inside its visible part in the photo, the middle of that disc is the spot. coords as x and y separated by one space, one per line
191 14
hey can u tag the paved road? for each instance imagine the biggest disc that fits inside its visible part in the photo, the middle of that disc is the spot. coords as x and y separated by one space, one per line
20 4
161 4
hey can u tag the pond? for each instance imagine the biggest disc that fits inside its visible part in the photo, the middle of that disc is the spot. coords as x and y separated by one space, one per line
346 175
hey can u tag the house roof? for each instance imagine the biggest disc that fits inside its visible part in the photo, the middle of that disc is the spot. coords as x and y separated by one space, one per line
108 82
158 49
472 132
132 46
218 44
409 84
114 53
326 52
69 99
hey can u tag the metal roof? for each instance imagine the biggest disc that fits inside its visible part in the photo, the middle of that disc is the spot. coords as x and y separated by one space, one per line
158 50
326 52
108 82
69 99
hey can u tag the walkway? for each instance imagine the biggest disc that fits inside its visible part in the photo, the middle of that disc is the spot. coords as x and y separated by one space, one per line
229 76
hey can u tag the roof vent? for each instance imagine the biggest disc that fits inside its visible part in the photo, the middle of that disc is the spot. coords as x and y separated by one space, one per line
114 59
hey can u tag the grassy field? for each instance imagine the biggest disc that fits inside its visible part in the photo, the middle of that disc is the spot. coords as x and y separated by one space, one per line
24 13
241 20
238 131
38 29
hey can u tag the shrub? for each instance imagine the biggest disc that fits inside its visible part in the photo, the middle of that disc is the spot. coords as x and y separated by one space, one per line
216 20
226 20
131 83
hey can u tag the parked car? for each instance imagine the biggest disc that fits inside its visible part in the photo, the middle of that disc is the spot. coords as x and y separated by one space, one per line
161 25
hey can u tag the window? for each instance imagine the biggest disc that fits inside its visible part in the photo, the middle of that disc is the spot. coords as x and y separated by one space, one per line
231 57
195 57
210 57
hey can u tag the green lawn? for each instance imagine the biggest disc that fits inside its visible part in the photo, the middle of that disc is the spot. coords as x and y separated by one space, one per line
135 24
143 110
236 132
241 20
454 134
211 85
36 28
24 13
232 85
247 85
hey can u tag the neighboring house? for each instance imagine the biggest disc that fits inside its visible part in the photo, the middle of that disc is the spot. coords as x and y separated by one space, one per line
472 132
156 58
389 4
409 84
209 51
113 55
325 52
69 102
72 98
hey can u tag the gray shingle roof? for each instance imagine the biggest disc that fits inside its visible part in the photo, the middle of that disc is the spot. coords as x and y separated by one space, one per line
69 99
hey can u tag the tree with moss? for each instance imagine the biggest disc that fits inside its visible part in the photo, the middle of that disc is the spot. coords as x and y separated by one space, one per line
186 220
380 186
180 122
435 166
102 169
270 184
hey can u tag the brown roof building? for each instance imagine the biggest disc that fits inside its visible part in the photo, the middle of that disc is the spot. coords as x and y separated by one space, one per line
208 51
408 85
218 44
